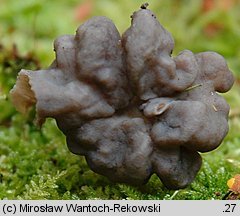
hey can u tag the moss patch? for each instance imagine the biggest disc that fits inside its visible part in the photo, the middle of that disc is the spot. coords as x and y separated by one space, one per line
36 164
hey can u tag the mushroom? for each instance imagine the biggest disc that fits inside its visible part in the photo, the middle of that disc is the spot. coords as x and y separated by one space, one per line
128 106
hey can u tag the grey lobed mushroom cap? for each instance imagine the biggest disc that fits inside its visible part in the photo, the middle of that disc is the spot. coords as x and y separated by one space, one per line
128 106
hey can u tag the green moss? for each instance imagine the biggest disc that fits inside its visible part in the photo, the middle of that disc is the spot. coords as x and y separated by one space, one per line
36 164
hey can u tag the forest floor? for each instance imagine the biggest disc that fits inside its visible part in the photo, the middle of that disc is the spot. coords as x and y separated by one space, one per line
36 164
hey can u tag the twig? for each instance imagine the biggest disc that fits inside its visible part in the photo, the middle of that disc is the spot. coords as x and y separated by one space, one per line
192 87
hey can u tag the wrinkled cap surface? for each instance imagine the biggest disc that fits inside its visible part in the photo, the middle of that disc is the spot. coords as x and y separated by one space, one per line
128 106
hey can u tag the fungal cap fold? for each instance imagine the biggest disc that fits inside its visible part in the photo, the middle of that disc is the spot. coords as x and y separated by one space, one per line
22 96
